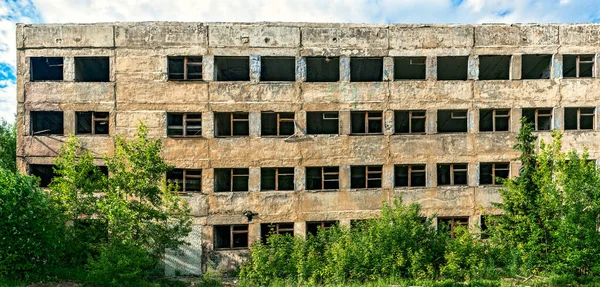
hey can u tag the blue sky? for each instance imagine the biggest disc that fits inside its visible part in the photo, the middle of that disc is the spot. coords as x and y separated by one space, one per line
355 11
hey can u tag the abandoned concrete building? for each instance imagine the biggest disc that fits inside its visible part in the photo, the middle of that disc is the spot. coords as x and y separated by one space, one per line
295 126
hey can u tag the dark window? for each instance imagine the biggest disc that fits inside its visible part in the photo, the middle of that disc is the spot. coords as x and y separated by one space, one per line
496 67
452 174
409 122
278 69
494 120
277 178
184 68
231 236
578 66
579 118
46 68
321 178
322 69
44 171
366 69
187 125
487 221
276 124
314 227
409 68
365 176
92 69
47 123
536 66
231 124
266 229
452 121
366 122
410 175
322 123
186 179
231 179
91 123
490 172
232 68
450 223
452 68
541 119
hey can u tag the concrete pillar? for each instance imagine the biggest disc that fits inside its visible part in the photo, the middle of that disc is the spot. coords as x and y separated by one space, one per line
388 122
208 68
208 126
344 123
596 68
473 173
300 229
514 168
473 120
301 123
300 69
431 174
68 69
299 178
387 177
515 119
473 68
344 177
254 124
345 223
254 179
388 69
431 121
597 118
515 67
254 69
112 60
344 69
431 68
208 176
253 232
557 66
69 122
558 118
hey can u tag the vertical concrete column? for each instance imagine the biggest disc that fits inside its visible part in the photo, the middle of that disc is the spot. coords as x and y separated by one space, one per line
344 123
299 178
388 69
344 69
344 177
69 122
254 179
514 168
208 68
300 69
431 68
387 178
345 223
473 120
301 123
473 67
253 232
431 174
68 69
388 122
254 69
558 118
254 124
515 119
112 62
300 229
596 68
473 174
597 118
515 67
208 182
557 66
208 125
431 121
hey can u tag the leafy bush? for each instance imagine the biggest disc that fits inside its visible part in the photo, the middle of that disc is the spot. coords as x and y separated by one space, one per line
121 264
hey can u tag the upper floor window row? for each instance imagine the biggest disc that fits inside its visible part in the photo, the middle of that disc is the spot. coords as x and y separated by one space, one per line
87 69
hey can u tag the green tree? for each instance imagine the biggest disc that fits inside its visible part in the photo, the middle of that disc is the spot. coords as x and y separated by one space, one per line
8 146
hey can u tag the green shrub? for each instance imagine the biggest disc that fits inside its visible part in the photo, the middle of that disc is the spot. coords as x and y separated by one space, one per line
121 264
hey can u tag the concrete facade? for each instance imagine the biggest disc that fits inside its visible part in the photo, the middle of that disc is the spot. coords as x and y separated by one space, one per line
138 89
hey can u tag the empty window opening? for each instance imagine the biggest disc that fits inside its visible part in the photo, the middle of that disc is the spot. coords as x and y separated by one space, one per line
322 69
186 125
187 180
578 66
232 68
409 68
452 68
366 122
365 176
231 179
452 121
322 178
95 123
44 171
276 124
496 67
450 223
278 69
92 69
366 69
93 230
276 178
541 119
494 120
184 68
493 173
579 118
322 123
46 68
231 236
47 123
268 229
231 124
409 122
536 66
409 175
452 174
314 227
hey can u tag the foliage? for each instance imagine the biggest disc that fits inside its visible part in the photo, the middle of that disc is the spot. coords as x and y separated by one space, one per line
8 146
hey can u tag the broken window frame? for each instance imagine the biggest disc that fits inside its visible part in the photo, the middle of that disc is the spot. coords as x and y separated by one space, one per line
454 221
282 228
398 67
537 117
411 117
94 121
232 234
506 58
34 121
495 117
233 173
196 174
186 64
232 121
373 173
32 72
86 78
321 225
280 119
323 176
547 71
45 179
187 123
277 179
219 72
452 172
283 77
578 63
411 170
325 116
495 169
453 116
368 119
462 77
579 117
